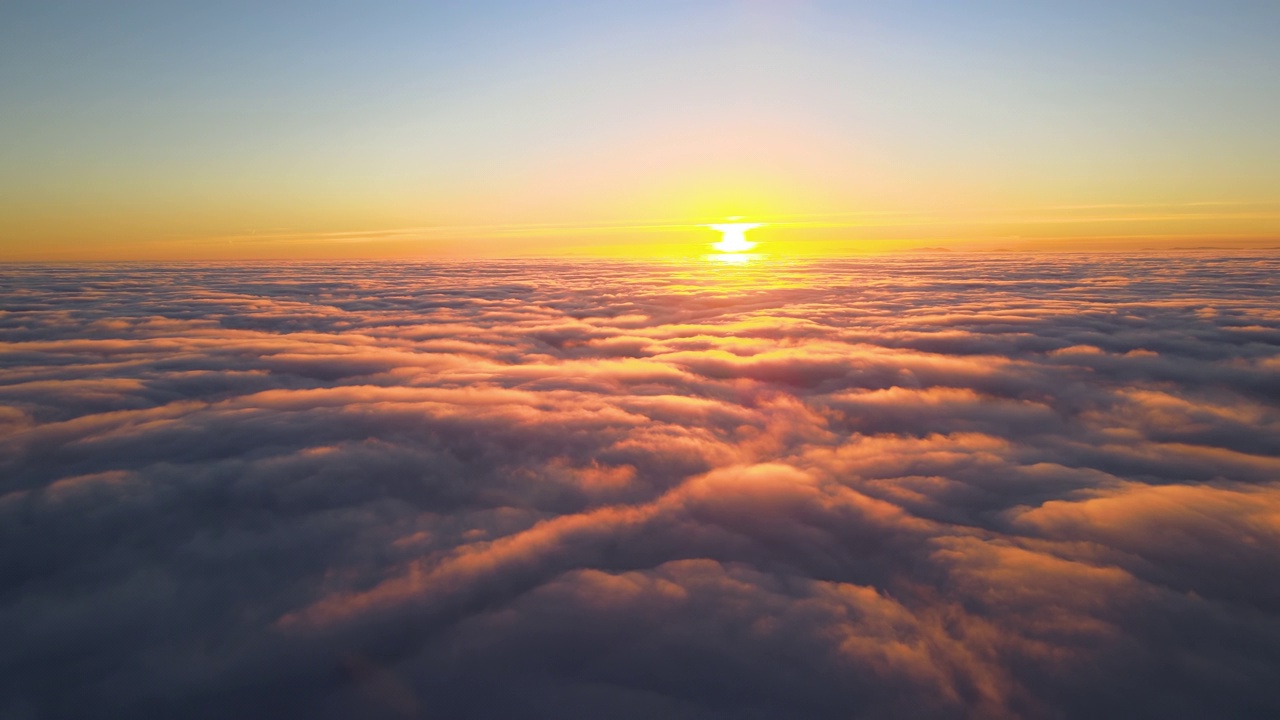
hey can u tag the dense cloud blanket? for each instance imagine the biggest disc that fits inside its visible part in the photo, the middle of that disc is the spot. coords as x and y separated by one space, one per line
943 487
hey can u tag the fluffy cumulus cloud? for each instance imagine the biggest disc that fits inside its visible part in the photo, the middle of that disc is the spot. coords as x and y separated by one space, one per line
951 487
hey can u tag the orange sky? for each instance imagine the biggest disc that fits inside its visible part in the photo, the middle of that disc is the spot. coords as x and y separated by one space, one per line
229 133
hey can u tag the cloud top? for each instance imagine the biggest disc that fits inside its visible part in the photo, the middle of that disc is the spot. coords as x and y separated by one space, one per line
985 487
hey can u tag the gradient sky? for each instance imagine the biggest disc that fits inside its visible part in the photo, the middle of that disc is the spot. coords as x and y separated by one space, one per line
149 130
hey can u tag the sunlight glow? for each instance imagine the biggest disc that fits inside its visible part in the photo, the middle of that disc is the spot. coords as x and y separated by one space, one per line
733 258
734 240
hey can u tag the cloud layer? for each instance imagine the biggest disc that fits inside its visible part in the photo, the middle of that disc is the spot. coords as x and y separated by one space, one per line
971 486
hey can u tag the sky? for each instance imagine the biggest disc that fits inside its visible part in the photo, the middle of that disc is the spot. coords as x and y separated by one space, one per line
161 130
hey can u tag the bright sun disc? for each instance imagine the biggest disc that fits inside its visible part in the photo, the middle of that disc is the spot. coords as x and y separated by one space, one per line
735 237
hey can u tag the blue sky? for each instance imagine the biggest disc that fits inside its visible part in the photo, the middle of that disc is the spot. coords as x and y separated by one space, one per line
173 121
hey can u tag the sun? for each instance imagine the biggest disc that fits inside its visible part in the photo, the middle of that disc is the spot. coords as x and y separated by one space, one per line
734 238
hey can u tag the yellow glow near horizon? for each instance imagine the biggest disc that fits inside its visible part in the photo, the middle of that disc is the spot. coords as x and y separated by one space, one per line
734 238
